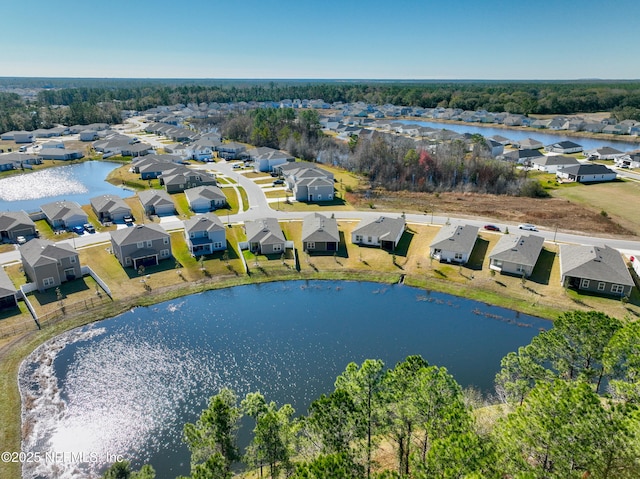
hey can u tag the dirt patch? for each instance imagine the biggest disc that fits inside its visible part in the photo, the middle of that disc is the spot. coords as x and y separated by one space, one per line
547 212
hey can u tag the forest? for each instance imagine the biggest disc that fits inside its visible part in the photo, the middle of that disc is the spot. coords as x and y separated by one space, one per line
83 101
566 406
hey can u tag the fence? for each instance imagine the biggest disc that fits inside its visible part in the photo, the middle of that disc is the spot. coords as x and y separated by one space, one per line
79 306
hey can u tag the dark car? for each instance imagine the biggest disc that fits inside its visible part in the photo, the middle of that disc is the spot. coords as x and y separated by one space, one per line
491 228
278 182
78 229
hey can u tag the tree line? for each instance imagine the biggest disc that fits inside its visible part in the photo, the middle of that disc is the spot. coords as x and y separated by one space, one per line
568 407
97 99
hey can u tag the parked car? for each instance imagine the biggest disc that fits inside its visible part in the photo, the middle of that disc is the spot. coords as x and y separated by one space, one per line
491 228
21 240
278 182
78 229
528 227
88 227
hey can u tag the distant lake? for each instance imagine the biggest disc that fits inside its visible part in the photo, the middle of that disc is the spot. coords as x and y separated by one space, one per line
519 135
78 182
128 384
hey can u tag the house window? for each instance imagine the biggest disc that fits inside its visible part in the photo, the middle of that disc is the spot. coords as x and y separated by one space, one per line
46 282
72 259
617 289
311 245
277 247
140 244
164 253
191 235
127 261
497 263
601 286
358 239
520 268
165 240
319 197
584 283
369 239
149 243
217 245
458 257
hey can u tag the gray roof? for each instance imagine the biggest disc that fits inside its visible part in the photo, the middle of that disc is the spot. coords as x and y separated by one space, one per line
594 263
587 169
522 154
13 219
518 249
7 288
154 197
208 192
320 229
39 251
137 233
108 203
456 238
206 222
62 209
554 160
266 230
565 145
381 227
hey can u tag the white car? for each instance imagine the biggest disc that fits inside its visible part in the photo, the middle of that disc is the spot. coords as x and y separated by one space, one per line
528 227
21 240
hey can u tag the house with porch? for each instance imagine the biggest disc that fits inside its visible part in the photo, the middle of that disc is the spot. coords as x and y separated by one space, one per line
205 234
594 269
307 181
552 163
49 264
516 254
564 147
586 173
230 151
265 236
141 245
265 159
110 208
319 233
522 156
454 243
180 178
64 214
383 231
14 224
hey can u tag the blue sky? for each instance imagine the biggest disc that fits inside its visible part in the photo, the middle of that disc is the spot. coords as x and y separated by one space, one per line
367 39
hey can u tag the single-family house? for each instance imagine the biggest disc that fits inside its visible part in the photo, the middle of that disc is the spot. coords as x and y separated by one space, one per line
64 214
8 292
594 269
454 243
230 151
501 139
604 153
156 202
551 164
266 159
205 234
495 147
628 161
205 198
320 233
516 254
61 154
382 231
89 135
49 264
307 181
522 156
530 144
23 136
586 173
14 224
141 245
265 236
564 147
180 178
110 208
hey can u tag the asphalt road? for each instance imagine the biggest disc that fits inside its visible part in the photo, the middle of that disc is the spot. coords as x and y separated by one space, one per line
260 208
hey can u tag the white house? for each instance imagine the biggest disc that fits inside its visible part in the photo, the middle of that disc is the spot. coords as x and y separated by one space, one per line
586 173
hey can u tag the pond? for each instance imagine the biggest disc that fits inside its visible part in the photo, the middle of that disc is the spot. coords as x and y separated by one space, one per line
78 182
127 385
